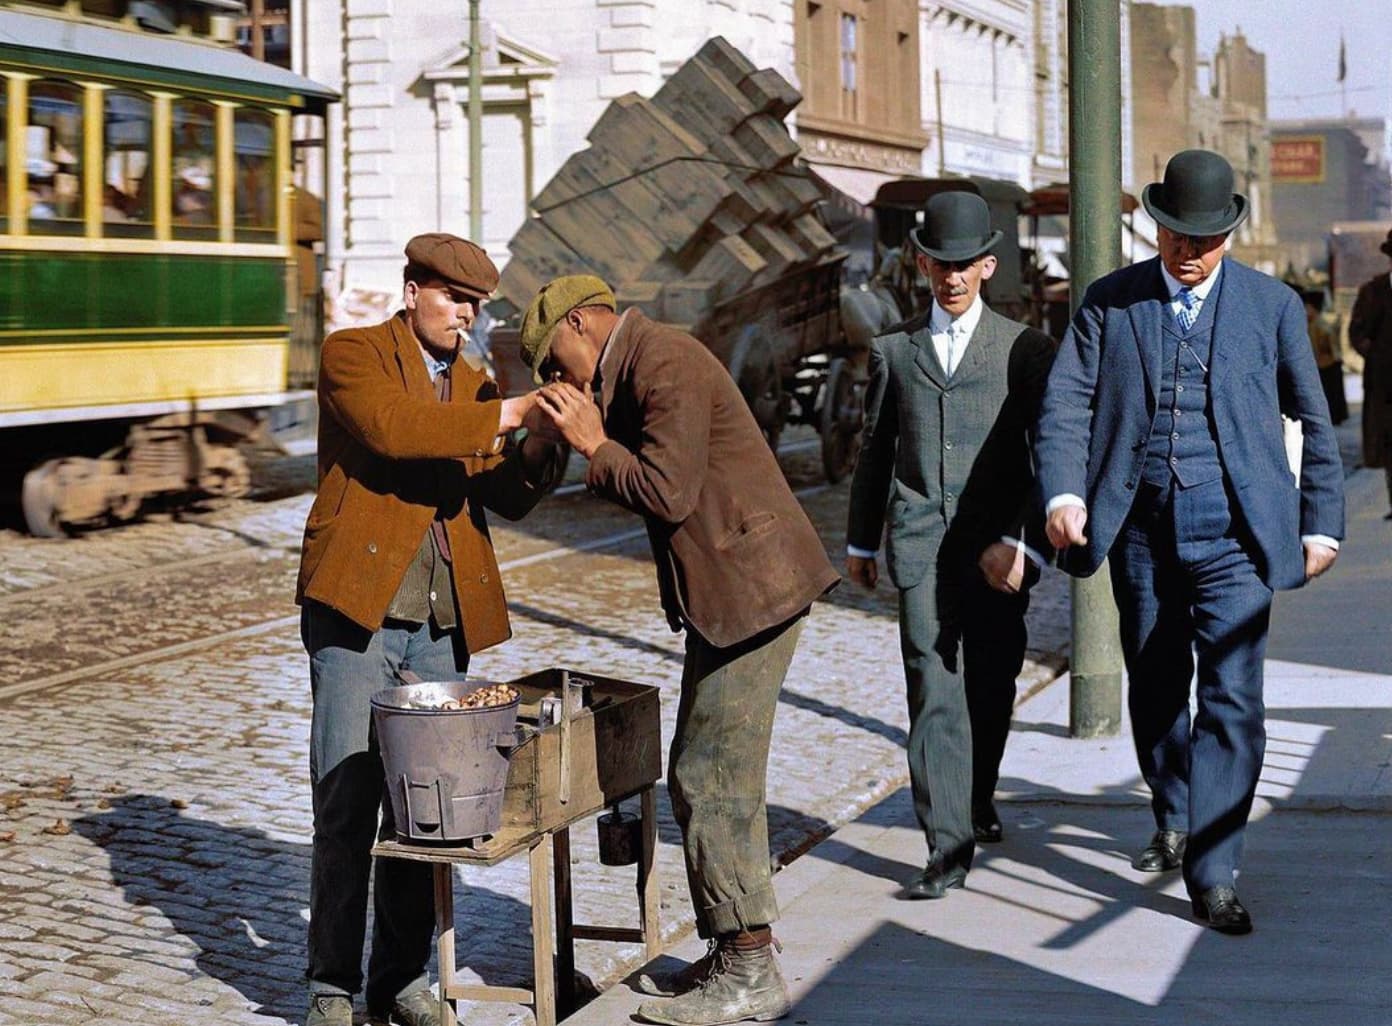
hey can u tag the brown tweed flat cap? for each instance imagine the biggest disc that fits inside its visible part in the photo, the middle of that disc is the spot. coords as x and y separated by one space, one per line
455 261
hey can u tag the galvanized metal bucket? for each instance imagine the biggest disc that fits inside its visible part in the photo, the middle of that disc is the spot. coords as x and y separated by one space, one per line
446 768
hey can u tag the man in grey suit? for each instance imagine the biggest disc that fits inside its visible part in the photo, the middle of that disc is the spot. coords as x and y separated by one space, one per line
945 462
1161 435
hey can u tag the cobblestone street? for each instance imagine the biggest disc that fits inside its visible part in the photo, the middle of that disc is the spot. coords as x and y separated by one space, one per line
156 819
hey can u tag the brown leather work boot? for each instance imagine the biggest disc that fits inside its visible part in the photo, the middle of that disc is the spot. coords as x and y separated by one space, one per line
679 981
742 984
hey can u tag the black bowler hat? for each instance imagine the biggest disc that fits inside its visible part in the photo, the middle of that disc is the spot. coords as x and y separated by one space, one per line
1386 246
1196 197
956 227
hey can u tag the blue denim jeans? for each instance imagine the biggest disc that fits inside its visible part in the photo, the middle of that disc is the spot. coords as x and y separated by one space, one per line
347 666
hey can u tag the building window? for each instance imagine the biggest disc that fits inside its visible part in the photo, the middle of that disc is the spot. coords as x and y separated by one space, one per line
53 157
127 181
264 32
850 65
194 170
254 196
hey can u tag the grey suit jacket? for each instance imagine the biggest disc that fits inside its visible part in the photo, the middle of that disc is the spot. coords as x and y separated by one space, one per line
945 462
1100 405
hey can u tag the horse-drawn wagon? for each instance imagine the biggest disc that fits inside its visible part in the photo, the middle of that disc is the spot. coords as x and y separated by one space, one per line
692 206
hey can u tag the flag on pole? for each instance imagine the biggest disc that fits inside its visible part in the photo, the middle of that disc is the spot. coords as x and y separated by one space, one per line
1343 64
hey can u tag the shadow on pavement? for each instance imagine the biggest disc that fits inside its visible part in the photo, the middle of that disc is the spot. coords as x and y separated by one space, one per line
1055 928
239 896
234 892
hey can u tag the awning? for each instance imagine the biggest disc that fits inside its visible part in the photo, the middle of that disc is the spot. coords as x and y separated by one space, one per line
859 183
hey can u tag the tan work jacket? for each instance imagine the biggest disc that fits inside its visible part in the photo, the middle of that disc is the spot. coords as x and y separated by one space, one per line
390 455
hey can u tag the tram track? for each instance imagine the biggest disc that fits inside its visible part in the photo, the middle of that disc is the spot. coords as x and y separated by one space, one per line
281 621
257 547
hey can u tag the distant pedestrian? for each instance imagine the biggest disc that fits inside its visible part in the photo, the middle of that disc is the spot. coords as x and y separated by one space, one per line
945 462
1324 341
1370 334
398 573
1161 435
668 436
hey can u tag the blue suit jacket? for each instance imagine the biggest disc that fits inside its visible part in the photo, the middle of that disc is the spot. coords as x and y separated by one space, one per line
1099 406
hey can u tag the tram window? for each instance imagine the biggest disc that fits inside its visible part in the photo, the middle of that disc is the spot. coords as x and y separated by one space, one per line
254 201
194 170
127 180
53 158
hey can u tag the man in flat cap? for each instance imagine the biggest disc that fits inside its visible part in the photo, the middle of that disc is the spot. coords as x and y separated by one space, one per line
945 463
1160 449
398 573
668 436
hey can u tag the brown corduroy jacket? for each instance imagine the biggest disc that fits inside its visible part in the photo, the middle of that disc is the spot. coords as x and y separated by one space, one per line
735 551
390 455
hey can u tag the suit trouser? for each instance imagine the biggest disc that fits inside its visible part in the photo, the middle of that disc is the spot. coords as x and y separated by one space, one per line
1184 583
963 645
347 665
716 774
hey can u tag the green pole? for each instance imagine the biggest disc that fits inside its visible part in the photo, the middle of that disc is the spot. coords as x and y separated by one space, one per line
1094 245
475 127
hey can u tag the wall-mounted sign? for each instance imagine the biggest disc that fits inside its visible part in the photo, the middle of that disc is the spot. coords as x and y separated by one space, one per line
1297 159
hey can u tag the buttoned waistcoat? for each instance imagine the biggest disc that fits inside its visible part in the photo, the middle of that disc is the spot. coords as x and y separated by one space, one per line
1101 402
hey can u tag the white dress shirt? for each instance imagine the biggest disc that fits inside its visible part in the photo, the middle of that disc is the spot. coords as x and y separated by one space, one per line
950 334
1201 291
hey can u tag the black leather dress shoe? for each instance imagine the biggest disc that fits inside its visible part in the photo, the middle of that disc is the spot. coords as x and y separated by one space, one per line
986 825
934 881
1220 909
1165 851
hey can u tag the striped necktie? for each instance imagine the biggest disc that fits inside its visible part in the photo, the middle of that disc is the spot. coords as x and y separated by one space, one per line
1188 311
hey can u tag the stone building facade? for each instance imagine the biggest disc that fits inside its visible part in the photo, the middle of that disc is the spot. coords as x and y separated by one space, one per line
978 88
891 87
398 145
858 67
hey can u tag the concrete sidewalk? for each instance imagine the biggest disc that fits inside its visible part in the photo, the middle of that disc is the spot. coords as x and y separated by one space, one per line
1056 928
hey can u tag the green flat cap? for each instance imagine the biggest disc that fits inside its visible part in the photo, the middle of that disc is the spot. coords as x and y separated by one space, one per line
548 308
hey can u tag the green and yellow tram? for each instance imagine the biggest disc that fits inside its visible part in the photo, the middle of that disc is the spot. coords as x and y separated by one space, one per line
147 259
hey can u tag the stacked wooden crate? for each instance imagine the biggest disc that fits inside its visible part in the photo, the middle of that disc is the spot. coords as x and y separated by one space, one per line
680 201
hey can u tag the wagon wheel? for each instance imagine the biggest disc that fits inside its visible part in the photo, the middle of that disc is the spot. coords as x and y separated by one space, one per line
40 498
843 414
755 369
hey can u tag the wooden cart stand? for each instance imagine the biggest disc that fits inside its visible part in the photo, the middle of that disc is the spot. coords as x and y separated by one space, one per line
608 744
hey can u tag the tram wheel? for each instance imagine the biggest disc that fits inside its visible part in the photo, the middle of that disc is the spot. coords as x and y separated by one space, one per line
40 498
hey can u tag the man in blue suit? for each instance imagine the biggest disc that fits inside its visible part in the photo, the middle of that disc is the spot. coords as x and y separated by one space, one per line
1160 445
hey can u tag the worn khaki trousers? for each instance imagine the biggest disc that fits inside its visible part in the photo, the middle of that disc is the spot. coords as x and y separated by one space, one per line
716 774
